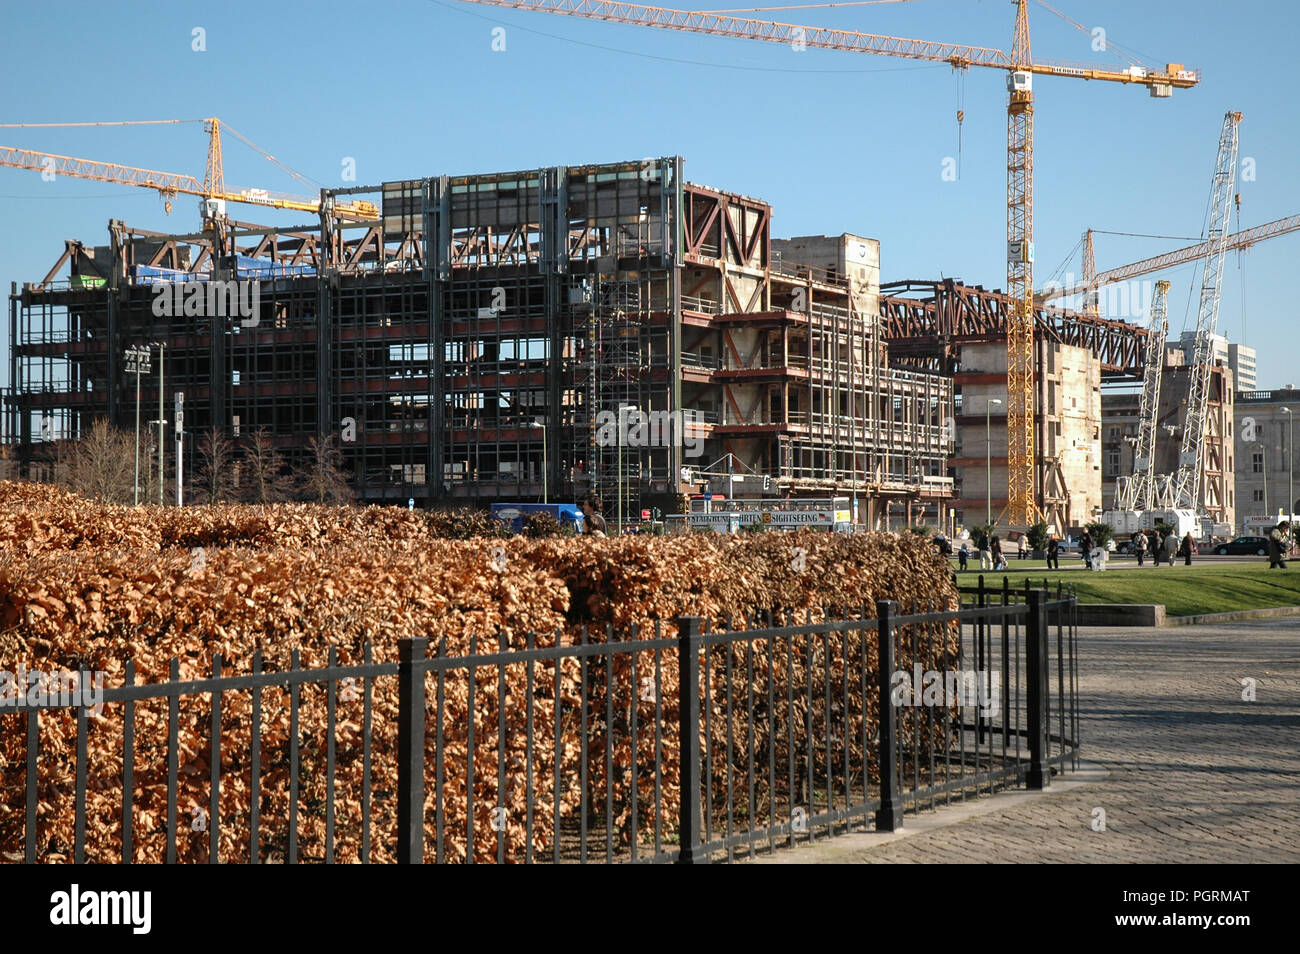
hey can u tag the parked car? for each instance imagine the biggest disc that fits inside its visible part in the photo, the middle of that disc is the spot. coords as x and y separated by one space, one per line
1256 545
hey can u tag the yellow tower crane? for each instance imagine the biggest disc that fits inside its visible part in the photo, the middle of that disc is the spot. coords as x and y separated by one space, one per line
212 190
1022 508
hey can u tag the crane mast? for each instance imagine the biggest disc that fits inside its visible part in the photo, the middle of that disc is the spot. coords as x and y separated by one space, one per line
1022 507
1186 483
1138 491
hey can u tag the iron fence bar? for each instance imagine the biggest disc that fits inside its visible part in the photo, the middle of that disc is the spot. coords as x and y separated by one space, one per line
255 768
731 809
708 736
528 755
214 769
410 752
500 813
789 725
889 815
559 735
439 760
331 753
128 769
469 754
367 715
659 722
582 762
749 737
689 740
609 746
294 698
1039 775
79 835
173 755
771 742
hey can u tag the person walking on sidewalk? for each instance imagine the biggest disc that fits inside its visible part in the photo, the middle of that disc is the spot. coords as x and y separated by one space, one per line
963 558
986 555
1085 548
1279 544
999 561
1140 547
1187 549
1054 553
1171 547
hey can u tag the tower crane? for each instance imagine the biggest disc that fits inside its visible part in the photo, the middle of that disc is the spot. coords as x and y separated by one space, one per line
212 190
1137 492
1091 279
1186 484
1022 508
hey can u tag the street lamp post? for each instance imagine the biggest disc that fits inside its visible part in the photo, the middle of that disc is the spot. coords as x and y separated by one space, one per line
988 463
1290 462
162 423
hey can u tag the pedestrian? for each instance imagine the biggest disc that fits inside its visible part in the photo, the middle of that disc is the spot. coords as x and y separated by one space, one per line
593 523
963 557
999 562
1085 548
1022 545
986 554
1054 553
1171 547
1140 547
1187 549
1279 544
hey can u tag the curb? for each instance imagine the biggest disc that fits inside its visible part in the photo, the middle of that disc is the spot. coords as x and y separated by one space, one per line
854 847
1271 612
1152 615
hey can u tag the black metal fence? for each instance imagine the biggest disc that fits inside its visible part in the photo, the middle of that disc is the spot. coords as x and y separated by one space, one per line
700 746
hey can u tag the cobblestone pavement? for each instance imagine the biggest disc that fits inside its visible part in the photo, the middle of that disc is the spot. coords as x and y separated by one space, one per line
1194 774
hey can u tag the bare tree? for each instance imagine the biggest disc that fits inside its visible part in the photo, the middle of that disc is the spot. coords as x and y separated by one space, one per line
101 465
215 480
324 480
263 472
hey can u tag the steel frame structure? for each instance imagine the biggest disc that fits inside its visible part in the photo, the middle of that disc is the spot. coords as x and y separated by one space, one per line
479 306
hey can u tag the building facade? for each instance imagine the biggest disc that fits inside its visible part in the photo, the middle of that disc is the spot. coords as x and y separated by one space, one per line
507 336
1266 457
1067 421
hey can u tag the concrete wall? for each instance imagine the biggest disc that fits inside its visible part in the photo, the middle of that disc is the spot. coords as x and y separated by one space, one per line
1262 438
847 256
1066 439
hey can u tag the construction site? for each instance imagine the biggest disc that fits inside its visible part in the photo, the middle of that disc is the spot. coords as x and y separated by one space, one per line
619 330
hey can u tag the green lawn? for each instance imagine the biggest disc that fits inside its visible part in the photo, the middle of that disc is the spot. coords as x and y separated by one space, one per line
1184 590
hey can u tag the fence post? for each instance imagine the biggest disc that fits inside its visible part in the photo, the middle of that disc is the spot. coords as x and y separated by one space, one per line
890 815
410 751
688 710
1039 775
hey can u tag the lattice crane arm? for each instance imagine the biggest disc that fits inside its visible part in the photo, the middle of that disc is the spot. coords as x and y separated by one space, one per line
1243 239
170 184
851 41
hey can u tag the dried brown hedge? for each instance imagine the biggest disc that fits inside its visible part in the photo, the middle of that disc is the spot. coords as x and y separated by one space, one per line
83 584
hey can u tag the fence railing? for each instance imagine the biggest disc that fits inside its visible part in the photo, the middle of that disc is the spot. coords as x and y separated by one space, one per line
687 746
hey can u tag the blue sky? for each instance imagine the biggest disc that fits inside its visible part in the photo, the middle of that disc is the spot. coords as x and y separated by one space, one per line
837 142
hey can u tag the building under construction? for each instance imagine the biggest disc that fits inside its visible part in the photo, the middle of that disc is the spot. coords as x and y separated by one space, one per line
606 328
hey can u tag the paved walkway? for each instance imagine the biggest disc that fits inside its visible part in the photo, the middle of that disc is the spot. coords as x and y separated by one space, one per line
1183 768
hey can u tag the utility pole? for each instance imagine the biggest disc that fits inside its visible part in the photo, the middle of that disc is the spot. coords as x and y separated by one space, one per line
180 447
162 423
1290 462
137 363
